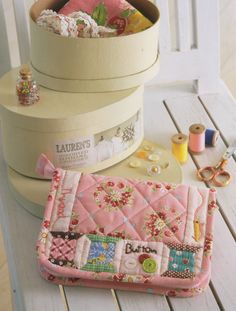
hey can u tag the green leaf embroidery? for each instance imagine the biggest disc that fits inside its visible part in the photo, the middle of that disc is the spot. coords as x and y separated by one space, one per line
79 22
127 13
100 14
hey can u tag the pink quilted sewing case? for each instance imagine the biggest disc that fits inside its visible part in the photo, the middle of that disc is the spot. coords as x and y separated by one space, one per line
113 232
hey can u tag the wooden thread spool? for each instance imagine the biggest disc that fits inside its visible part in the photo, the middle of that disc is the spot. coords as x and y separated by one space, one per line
197 138
211 137
180 147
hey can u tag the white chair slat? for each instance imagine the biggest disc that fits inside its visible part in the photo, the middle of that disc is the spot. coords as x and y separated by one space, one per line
165 40
5 62
183 25
208 42
22 30
200 64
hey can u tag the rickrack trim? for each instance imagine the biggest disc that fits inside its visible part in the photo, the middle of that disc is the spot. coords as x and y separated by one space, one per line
183 247
61 262
179 275
66 235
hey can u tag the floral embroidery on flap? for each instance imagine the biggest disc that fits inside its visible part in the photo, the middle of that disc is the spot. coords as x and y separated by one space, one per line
113 196
154 224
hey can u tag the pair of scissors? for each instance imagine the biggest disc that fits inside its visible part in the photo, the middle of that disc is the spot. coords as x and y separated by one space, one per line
217 174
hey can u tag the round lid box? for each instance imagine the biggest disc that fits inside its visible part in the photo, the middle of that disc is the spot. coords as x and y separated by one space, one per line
94 64
82 131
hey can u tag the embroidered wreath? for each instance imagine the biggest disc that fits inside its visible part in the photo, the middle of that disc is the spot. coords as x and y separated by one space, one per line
113 196
152 224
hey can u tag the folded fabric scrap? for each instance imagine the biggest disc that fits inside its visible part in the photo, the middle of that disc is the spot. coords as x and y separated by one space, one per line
77 24
116 14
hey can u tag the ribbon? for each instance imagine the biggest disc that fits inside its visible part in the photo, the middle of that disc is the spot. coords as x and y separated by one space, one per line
44 167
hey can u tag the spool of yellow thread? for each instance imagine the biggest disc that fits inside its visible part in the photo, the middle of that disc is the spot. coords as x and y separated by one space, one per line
180 147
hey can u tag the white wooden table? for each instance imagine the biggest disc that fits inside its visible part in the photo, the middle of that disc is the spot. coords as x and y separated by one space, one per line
167 111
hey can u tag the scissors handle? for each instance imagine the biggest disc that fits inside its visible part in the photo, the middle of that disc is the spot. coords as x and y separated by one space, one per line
222 178
206 173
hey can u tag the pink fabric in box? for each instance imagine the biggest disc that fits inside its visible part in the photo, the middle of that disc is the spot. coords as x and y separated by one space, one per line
127 234
114 7
117 14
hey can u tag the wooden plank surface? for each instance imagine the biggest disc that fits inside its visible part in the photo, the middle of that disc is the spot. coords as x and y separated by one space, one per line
20 231
141 301
5 299
187 111
197 114
90 299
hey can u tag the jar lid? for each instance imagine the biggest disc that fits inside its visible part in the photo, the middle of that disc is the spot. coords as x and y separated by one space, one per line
25 72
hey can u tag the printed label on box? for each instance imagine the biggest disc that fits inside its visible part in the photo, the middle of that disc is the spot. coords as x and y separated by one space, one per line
86 151
79 152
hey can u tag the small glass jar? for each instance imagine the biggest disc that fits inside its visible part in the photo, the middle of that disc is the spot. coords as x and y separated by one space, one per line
27 89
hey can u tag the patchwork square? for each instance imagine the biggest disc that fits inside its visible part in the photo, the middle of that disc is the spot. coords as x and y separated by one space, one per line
181 261
101 254
63 249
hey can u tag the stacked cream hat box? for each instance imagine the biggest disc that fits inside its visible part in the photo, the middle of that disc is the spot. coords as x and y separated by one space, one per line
91 95
97 65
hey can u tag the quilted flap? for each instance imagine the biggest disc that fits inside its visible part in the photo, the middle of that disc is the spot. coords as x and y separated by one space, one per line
116 229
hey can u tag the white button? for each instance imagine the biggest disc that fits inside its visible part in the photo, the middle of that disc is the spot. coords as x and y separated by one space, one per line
154 170
131 263
134 163
165 165
147 147
153 157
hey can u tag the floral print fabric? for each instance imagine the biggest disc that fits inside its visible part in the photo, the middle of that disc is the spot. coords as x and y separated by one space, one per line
133 231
